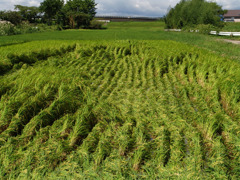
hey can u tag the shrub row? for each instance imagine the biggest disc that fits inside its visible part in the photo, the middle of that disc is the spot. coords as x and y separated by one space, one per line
8 29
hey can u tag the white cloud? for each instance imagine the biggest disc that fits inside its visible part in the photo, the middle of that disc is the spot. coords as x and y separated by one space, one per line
229 4
132 7
125 7
9 4
148 7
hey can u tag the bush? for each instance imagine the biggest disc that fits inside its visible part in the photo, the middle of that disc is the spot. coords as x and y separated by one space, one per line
45 27
96 25
201 28
7 29
206 28
25 27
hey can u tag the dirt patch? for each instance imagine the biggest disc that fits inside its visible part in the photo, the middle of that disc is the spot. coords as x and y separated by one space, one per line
230 41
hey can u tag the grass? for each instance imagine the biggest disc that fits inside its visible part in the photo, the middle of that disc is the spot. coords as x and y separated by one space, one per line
232 27
119 109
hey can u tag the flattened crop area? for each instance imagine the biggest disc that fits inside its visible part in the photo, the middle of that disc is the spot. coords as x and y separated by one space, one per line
120 109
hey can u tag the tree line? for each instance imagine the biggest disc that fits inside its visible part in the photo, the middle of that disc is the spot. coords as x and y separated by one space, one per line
194 12
72 14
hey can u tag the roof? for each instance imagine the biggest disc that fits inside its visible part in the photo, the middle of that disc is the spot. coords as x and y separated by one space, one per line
232 13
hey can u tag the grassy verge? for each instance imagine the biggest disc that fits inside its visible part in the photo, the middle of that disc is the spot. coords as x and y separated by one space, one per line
232 27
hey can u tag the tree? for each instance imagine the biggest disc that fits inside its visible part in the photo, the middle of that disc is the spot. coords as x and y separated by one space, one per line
11 16
83 6
194 12
50 8
28 13
80 12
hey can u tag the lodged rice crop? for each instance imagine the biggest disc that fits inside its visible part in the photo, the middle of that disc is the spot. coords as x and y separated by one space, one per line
14 56
121 110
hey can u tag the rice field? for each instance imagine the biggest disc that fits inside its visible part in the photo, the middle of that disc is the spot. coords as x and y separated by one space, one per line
126 109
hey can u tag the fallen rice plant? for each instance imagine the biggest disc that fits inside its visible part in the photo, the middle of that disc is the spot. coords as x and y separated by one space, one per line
119 110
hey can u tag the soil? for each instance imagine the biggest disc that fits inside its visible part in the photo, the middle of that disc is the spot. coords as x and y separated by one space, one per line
230 41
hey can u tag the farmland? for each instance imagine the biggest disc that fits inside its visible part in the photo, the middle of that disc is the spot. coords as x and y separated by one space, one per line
119 108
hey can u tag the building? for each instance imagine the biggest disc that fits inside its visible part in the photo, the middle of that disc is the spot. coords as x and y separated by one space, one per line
232 16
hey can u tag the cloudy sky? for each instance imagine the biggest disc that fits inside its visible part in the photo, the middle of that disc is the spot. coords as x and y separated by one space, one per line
154 8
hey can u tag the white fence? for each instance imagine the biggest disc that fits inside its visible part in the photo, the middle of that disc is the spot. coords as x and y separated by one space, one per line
211 32
105 21
225 33
174 30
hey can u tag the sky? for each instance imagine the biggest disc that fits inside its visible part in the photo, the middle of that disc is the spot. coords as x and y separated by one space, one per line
149 8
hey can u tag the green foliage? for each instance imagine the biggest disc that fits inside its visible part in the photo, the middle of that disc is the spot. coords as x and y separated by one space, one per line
194 12
29 14
120 110
11 16
73 14
87 7
201 28
23 13
205 28
7 29
77 20
51 8
96 25
232 27
78 13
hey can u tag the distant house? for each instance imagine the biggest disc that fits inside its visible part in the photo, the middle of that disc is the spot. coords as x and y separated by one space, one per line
232 16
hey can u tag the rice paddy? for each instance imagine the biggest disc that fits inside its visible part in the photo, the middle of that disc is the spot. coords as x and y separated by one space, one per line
126 109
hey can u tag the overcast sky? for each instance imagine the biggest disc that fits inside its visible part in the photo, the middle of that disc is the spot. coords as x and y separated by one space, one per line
154 8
